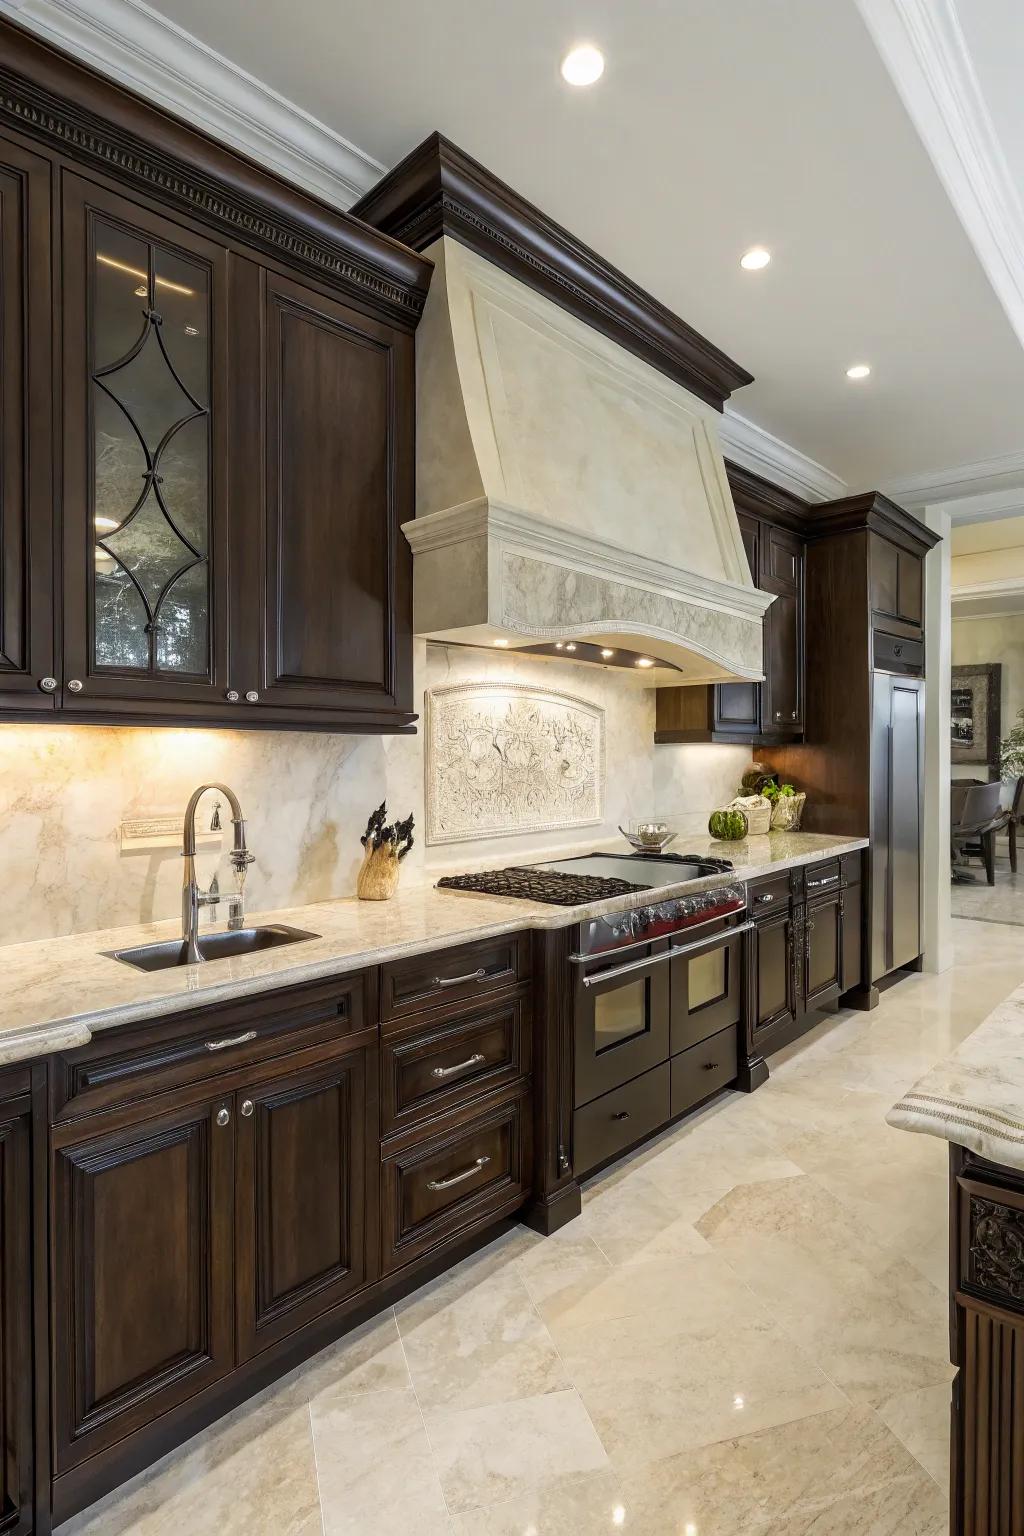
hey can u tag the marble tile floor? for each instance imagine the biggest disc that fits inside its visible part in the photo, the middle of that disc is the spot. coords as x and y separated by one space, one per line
743 1334
999 903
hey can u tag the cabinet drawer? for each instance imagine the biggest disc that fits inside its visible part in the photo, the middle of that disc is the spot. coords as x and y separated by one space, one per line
436 1190
892 653
610 1124
435 1067
771 895
703 1070
448 975
125 1066
850 866
819 879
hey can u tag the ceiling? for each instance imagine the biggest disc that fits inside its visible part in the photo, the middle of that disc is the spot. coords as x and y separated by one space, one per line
715 126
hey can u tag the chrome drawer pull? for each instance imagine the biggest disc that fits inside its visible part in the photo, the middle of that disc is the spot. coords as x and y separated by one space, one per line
475 1060
457 981
222 1045
765 898
825 880
710 1066
459 1178
623 1114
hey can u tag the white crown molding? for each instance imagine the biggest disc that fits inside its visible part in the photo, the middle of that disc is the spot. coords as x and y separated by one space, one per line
986 488
926 54
139 48
753 448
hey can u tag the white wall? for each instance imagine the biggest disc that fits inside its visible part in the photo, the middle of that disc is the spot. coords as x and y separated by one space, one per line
936 911
64 791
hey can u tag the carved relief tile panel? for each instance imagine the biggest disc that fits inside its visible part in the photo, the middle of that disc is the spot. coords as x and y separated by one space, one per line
505 759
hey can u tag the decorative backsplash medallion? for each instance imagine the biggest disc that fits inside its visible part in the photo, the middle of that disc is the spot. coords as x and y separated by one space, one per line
503 758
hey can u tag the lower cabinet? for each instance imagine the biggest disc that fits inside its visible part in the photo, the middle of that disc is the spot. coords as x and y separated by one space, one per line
16 1497
143 1239
775 993
302 1239
438 1187
823 951
187 1241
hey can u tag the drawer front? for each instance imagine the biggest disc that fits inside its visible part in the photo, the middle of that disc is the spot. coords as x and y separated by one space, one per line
437 1189
610 1124
893 653
821 878
703 1070
450 975
432 1068
125 1066
771 895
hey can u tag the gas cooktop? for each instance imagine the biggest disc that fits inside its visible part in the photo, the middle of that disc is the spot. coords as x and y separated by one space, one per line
589 876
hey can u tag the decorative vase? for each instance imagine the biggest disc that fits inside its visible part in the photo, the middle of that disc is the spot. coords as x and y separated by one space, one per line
378 877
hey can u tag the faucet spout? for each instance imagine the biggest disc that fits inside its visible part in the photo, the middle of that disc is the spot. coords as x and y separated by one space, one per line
192 898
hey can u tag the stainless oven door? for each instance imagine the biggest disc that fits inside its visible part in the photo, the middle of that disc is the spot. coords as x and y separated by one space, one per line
622 1019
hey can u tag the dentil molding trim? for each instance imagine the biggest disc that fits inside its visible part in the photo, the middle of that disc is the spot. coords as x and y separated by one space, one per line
753 448
140 49
926 54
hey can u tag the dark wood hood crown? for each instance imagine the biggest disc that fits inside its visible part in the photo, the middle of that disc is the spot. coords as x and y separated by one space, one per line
440 190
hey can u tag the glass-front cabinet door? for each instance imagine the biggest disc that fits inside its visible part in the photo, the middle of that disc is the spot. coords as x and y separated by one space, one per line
144 495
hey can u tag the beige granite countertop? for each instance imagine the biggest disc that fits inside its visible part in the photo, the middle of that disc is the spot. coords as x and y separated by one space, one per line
56 993
976 1096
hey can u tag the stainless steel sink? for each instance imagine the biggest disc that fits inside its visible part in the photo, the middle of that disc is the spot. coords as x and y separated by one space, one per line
214 946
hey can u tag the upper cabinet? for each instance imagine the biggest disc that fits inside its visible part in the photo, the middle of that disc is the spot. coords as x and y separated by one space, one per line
772 711
27 681
896 582
202 497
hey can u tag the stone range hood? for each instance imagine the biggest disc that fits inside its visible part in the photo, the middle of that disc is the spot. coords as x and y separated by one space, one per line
539 443
570 480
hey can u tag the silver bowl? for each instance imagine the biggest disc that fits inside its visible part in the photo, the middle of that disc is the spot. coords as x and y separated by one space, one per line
649 835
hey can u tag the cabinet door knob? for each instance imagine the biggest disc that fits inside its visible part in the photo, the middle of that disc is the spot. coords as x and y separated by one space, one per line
623 1114
247 1108
232 695
794 715
223 1117
48 684
710 1066
778 714
252 696
74 686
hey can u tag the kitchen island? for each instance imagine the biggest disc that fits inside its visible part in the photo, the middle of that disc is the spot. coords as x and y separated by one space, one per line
975 1101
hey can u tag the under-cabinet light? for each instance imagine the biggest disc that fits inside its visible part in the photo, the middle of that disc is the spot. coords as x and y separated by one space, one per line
161 282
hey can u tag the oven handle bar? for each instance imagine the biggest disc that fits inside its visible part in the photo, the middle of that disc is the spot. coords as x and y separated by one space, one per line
710 941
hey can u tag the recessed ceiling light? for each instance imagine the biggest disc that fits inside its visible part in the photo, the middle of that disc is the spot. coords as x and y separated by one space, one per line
858 371
502 643
756 258
607 654
583 65
644 661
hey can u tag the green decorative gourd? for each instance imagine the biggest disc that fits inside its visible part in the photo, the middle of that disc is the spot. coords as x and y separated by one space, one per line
727 826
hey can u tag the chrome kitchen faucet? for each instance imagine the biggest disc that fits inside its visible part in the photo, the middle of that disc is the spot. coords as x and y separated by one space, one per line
192 898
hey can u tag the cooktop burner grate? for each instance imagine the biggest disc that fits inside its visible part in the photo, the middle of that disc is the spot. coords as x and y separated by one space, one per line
547 885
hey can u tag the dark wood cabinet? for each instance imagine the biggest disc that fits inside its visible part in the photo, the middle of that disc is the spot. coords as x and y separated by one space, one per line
326 630
302 1238
774 710
232 370
142 1241
776 979
823 950
144 409
16 1363
27 672
896 582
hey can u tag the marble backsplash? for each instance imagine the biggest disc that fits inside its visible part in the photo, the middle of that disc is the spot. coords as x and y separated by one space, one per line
64 791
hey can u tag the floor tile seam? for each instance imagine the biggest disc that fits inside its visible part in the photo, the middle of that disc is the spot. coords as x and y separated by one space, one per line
423 1420
316 1468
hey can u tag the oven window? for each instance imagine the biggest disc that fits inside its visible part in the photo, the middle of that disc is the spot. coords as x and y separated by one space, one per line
707 977
620 1014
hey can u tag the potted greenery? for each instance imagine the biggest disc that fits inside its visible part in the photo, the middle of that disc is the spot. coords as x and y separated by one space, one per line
787 806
